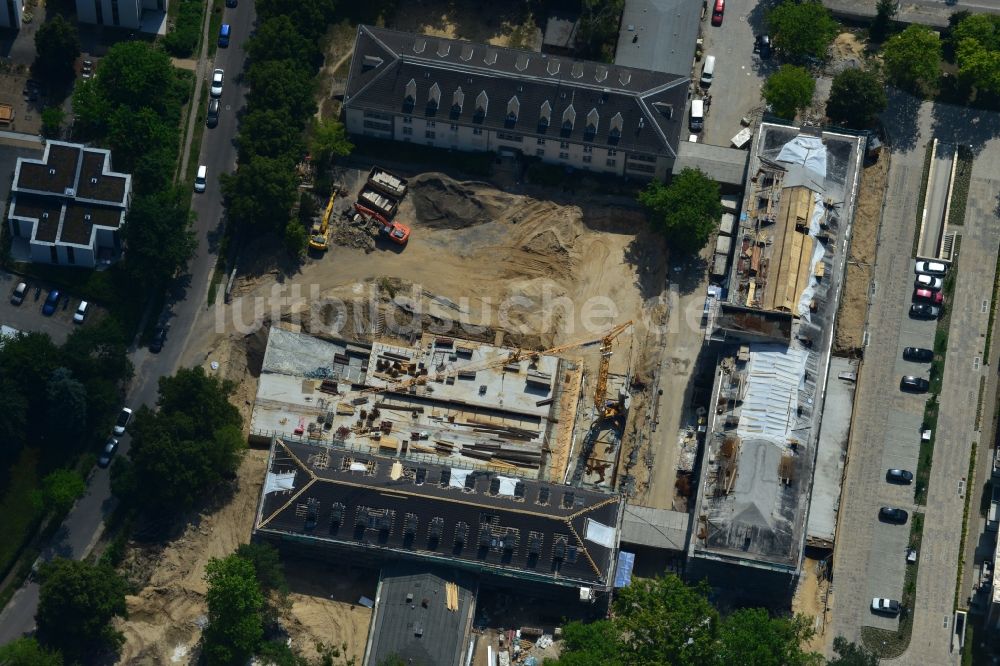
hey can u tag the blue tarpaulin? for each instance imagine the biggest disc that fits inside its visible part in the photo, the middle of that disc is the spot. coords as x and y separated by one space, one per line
623 574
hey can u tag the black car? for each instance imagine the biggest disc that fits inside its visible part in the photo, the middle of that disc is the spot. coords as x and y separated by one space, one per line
108 453
212 118
230 3
914 384
924 311
762 46
899 476
918 354
159 337
891 514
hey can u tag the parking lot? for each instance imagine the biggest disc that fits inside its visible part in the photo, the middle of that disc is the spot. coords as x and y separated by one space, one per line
28 316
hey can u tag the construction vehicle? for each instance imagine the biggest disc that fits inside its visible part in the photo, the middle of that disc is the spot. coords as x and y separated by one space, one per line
387 182
319 235
386 206
378 226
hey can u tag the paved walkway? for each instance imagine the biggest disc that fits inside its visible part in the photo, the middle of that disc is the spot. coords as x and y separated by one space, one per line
925 12
200 73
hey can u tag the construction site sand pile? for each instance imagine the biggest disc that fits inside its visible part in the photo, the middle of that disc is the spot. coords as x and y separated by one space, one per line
445 203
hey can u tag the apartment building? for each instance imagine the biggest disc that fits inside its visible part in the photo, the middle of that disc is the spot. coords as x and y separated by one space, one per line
465 96
143 15
10 14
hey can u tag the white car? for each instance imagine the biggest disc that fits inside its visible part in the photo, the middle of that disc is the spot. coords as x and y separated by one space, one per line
931 268
928 282
124 417
81 312
217 78
201 180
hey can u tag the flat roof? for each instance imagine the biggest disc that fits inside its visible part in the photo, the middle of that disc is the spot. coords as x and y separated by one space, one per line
80 220
560 31
45 211
422 615
659 35
54 173
482 521
724 165
657 528
108 186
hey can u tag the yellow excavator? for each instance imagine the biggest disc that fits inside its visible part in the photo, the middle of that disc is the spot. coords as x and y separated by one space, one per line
319 235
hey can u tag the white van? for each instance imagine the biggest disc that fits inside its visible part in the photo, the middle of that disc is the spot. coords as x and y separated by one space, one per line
697 121
201 180
708 71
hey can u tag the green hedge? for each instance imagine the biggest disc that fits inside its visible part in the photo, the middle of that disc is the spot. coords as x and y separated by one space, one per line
183 39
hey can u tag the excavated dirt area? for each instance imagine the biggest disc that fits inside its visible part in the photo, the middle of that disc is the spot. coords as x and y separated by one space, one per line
861 263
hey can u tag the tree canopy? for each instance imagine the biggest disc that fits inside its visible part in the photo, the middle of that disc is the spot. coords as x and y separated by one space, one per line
857 96
686 211
261 193
181 452
976 41
235 621
802 30
159 238
76 603
913 58
57 46
885 12
789 90
27 652
329 140
664 621
60 489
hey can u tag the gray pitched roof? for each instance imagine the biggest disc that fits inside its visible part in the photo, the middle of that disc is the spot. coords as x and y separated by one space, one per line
658 34
397 72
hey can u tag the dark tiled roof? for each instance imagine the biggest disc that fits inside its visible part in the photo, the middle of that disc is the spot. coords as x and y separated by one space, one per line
63 159
107 187
82 218
34 208
634 109
539 535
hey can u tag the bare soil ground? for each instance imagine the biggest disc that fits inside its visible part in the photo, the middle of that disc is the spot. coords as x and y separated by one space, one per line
811 600
860 266
505 24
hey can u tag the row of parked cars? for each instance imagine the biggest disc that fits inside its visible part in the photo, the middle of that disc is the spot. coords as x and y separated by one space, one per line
51 301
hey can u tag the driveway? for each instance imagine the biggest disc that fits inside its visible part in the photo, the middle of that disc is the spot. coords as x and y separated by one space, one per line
739 73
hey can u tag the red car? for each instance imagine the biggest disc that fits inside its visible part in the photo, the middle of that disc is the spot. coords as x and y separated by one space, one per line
718 11
928 296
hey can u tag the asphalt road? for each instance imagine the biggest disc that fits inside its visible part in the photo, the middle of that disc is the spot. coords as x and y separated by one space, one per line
85 522
739 73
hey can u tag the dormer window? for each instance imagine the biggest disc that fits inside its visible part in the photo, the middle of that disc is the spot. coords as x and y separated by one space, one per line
482 103
521 63
616 128
513 109
457 100
553 67
467 52
544 117
443 49
593 118
371 62
433 99
410 96
568 120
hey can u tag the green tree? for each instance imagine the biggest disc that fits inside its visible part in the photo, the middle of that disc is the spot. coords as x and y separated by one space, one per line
329 140
296 238
52 119
857 96
983 28
13 420
590 644
976 42
159 238
131 132
686 211
270 133
598 29
77 602
59 490
789 90
27 652
267 566
67 408
235 621
751 636
261 193
136 74
278 39
57 46
202 399
802 30
913 58
310 18
885 13
851 654
282 84
91 109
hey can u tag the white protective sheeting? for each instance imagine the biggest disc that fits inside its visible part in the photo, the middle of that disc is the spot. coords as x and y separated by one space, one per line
817 256
358 467
279 481
507 484
771 400
458 477
599 533
808 151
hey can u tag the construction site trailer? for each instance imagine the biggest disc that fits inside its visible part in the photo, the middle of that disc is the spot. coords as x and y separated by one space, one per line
387 182
723 244
726 226
6 115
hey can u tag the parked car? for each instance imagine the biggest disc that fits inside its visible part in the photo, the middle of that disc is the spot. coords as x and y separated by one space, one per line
914 384
929 282
230 3
899 476
201 179
885 606
124 417
159 337
17 296
891 514
928 296
81 312
51 301
762 46
918 354
218 76
924 311
212 118
717 11
108 453
932 268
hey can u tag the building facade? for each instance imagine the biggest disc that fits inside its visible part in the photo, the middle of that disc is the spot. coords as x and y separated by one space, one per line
68 208
10 14
120 13
473 97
